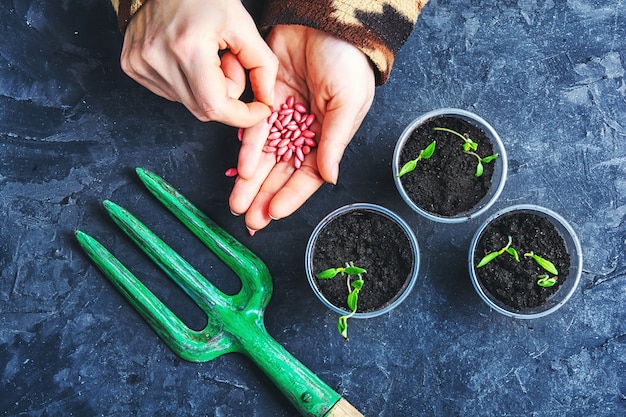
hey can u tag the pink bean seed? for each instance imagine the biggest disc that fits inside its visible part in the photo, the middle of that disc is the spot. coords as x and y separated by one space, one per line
309 120
299 154
285 112
297 116
298 141
306 149
284 106
290 101
274 142
231 172
282 150
269 149
297 163
287 155
272 118
286 119
278 158
283 142
300 107
308 134
273 129
296 134
278 124
292 126
240 134
274 135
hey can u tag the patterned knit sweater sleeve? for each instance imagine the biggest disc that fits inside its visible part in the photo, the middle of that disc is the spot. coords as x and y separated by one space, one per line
378 28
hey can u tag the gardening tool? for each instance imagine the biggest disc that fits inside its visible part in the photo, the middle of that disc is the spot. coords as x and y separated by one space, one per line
235 322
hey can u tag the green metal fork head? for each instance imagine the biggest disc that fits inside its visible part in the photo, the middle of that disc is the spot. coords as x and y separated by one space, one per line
235 322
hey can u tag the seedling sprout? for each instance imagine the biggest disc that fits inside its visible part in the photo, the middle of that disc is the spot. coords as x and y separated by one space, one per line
493 255
354 287
543 280
470 147
412 164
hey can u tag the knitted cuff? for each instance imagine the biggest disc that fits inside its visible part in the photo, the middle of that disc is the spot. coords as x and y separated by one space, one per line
378 28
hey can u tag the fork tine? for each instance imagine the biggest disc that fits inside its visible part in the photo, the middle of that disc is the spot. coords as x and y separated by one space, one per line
205 294
256 279
187 343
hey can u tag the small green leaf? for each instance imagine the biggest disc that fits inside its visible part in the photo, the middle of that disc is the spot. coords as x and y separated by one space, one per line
357 284
467 147
328 273
342 326
353 299
546 281
488 258
354 270
513 253
490 158
428 152
408 167
545 264
479 169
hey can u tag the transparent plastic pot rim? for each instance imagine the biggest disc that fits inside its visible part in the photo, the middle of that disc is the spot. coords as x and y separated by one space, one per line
565 291
499 175
380 210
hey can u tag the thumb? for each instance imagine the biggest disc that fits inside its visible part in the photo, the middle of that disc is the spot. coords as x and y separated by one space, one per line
338 128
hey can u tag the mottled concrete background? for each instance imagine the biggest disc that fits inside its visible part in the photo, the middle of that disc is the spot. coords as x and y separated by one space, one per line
547 74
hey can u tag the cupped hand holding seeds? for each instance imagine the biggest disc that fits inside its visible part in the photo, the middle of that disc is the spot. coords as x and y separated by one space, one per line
335 82
173 48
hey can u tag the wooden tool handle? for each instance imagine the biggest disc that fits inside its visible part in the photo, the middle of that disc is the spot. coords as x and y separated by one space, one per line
343 409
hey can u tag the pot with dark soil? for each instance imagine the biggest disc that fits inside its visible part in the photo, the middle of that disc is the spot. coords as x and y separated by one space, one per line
449 165
361 261
525 261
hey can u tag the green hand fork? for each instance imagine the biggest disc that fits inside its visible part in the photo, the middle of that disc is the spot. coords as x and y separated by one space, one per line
235 322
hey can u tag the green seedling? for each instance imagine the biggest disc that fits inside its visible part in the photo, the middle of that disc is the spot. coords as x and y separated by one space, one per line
412 164
544 280
493 255
470 147
354 287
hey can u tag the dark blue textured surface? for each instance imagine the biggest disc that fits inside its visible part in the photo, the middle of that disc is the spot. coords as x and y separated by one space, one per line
548 75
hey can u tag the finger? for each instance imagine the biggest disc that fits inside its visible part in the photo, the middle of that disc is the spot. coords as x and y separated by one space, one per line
304 182
258 215
256 56
235 74
210 91
338 127
245 190
251 149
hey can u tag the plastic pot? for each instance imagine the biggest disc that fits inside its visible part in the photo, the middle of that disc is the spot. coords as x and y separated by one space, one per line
569 279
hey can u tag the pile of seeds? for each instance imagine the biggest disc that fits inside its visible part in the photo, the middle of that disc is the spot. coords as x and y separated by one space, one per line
290 137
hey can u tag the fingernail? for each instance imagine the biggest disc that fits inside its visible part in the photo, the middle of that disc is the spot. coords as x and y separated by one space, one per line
335 173
274 218
235 214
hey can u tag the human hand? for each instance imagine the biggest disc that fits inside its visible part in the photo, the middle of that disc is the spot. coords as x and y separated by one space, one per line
336 81
172 48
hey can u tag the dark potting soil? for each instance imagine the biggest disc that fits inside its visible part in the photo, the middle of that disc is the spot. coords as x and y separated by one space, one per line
446 184
372 241
515 283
